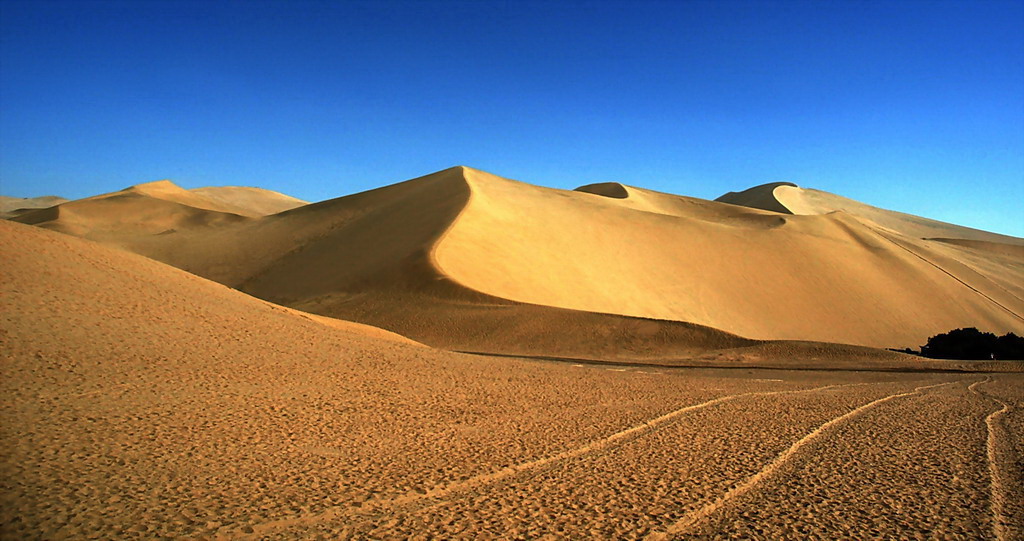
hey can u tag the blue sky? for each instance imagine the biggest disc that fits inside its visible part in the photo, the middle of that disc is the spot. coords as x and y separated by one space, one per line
914 106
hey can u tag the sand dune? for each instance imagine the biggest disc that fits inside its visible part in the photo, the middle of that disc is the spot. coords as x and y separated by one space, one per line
244 201
122 216
466 260
249 201
14 206
155 208
788 198
753 273
759 197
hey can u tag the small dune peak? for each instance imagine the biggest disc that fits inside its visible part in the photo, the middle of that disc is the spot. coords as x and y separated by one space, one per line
474 176
459 170
457 174
606 189
760 197
766 187
158 186
247 200
465 169
472 172
165 183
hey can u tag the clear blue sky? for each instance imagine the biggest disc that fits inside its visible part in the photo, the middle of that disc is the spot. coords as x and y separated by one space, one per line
914 106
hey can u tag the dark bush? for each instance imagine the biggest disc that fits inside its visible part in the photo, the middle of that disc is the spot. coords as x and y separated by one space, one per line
972 344
1010 346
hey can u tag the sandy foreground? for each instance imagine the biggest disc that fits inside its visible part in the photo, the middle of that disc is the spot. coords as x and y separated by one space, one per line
140 401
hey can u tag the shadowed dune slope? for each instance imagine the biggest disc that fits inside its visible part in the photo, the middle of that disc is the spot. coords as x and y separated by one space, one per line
466 260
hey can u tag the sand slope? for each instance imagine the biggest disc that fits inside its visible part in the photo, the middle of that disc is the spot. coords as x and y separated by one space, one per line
466 260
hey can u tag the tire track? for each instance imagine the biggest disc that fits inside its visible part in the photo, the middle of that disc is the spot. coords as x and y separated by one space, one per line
397 505
700 515
953 276
1002 526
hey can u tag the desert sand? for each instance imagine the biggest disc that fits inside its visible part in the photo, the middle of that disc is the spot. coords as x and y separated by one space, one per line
171 369
145 402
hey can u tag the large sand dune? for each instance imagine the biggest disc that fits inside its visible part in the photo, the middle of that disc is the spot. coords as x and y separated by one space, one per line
467 260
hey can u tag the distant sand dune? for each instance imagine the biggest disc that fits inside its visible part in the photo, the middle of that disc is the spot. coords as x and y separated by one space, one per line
249 201
467 260
788 198
122 216
155 208
15 206
241 200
